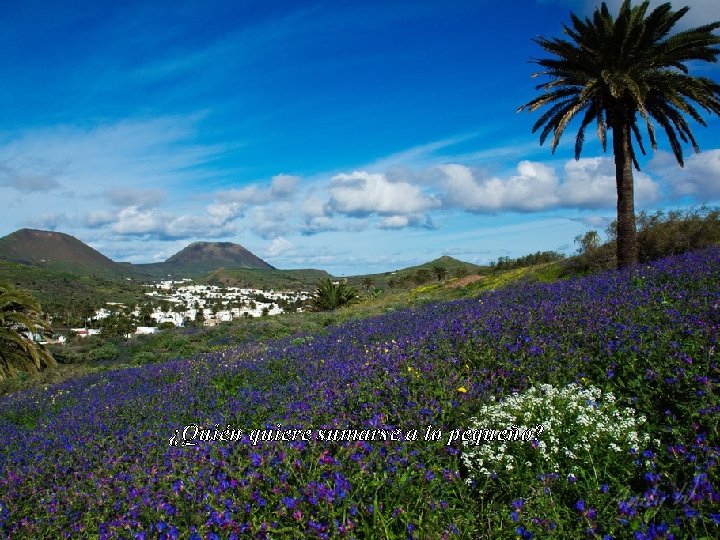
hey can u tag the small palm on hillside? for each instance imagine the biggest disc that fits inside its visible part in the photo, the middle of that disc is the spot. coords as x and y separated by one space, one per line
20 314
440 271
329 295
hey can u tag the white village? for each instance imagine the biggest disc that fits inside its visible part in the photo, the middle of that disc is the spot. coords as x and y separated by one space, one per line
179 303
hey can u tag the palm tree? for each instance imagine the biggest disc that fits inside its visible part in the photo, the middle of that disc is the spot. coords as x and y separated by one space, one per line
616 71
440 271
19 316
329 295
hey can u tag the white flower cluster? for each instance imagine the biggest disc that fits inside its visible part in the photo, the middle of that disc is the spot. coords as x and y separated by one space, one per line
577 424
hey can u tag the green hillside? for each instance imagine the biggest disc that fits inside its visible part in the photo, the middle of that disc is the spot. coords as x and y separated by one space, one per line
304 279
413 276
62 292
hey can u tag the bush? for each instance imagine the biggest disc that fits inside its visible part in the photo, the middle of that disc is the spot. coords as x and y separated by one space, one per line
658 235
661 234
539 257
423 275
144 357
64 354
592 256
108 351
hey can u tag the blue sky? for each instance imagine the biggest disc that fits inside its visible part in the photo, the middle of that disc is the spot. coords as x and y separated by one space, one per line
350 136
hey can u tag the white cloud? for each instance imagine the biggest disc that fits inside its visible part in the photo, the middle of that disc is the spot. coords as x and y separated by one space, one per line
402 221
283 185
318 224
28 178
225 211
271 221
253 194
533 188
361 194
394 222
590 183
135 221
233 204
280 246
130 153
189 226
51 222
98 218
596 222
587 183
700 178
313 206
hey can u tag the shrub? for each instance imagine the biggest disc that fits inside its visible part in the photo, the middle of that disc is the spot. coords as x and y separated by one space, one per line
423 275
592 255
676 232
658 235
105 352
539 257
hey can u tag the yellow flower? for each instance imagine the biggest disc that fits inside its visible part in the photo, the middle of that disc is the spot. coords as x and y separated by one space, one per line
462 390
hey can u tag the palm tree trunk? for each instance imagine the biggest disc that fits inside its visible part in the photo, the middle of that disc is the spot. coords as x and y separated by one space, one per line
626 233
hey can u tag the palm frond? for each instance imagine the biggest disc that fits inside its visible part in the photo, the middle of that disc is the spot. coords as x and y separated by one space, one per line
617 68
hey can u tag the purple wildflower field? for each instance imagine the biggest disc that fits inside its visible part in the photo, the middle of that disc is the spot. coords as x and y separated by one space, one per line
91 457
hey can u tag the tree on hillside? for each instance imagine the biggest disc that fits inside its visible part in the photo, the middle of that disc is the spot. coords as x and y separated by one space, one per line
329 295
440 271
20 315
117 325
616 71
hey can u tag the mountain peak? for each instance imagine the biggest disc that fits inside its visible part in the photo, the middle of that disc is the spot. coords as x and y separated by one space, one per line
214 255
33 246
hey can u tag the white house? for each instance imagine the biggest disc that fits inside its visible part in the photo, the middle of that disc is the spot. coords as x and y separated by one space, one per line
146 330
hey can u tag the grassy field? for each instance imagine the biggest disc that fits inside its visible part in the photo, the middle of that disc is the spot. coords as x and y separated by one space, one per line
397 425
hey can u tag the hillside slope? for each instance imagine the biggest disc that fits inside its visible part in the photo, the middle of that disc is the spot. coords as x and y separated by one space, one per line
381 426
55 250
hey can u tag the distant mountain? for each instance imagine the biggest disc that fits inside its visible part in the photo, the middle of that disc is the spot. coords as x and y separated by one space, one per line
55 251
217 254
203 257
61 252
